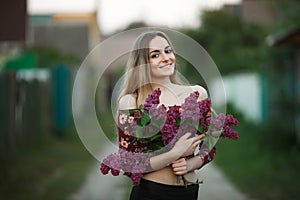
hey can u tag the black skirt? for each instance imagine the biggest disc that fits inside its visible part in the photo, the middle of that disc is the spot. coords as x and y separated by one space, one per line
149 190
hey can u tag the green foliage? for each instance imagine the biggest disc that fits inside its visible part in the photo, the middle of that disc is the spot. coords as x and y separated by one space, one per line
47 58
21 61
289 12
52 170
264 163
230 108
261 173
235 45
230 42
189 72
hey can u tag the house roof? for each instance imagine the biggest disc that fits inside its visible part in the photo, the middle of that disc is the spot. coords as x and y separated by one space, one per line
288 36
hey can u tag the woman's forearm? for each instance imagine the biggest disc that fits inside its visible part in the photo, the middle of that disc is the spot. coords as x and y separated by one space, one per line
180 148
194 163
162 160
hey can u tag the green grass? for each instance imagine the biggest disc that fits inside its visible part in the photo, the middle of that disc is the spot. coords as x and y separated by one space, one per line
52 170
256 169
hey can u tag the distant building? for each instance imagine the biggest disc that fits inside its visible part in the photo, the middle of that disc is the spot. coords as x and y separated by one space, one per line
13 24
70 33
290 38
259 11
254 11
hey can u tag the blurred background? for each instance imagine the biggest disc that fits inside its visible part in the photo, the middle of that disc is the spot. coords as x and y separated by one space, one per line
254 43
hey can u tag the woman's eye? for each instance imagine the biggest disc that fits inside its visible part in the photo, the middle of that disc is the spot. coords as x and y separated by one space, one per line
168 51
154 55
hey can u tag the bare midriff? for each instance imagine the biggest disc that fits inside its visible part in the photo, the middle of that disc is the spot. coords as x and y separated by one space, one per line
167 176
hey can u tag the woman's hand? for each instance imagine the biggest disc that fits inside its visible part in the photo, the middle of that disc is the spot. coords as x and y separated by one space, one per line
186 146
180 166
192 147
182 145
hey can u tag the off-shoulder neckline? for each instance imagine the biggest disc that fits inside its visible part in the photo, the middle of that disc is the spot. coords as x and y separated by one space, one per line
168 107
137 109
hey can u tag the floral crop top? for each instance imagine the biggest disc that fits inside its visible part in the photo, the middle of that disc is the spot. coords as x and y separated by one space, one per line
152 129
135 151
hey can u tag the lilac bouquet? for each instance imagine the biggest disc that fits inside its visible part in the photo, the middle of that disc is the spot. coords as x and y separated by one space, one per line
152 129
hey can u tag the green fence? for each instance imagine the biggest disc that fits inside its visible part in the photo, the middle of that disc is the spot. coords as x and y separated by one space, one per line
33 108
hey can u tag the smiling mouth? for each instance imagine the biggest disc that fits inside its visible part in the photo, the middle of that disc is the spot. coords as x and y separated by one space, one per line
166 65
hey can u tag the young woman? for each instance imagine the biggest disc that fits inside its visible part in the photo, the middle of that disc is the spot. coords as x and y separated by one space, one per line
152 65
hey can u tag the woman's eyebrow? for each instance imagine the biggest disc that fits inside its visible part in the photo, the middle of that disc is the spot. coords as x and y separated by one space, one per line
156 50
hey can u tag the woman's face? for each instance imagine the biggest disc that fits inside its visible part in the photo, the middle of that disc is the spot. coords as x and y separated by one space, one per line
161 57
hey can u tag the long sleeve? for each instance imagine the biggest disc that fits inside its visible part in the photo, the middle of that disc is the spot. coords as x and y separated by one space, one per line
134 160
126 126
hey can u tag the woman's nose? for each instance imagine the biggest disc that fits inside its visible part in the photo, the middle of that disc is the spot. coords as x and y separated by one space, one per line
165 57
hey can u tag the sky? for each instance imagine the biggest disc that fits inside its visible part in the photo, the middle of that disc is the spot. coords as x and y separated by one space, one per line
113 15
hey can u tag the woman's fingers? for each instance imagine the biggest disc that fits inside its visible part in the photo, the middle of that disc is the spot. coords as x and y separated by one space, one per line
193 139
187 144
198 137
196 140
186 136
180 171
180 166
195 144
180 160
201 136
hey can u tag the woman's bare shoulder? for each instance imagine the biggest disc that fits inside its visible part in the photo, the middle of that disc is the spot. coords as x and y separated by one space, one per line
202 91
185 90
127 102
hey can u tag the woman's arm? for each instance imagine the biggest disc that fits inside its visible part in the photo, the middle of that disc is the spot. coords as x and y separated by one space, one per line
185 145
183 166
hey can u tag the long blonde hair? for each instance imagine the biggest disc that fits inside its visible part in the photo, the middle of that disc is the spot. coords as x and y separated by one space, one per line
138 73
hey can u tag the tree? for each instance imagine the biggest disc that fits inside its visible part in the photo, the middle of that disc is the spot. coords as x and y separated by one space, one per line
230 42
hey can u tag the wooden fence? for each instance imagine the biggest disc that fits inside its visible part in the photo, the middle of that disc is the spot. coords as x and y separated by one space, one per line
29 108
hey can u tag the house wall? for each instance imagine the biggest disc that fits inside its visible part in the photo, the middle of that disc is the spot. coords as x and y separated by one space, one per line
259 11
245 91
70 39
13 20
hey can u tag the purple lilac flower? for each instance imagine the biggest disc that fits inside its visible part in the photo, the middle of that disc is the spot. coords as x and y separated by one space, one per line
115 172
111 163
218 122
158 113
205 113
190 108
186 128
135 162
104 168
170 128
168 133
136 178
225 122
152 100
190 115
228 132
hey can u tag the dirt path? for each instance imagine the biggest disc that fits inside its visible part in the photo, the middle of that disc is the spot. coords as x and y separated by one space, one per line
99 187
216 186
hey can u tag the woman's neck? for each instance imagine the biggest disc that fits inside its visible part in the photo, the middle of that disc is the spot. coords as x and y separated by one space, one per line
162 83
